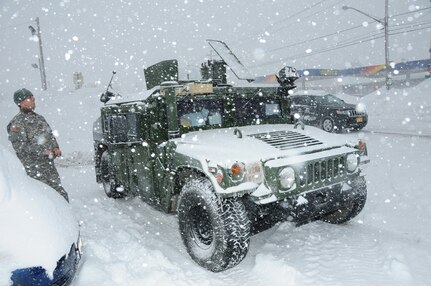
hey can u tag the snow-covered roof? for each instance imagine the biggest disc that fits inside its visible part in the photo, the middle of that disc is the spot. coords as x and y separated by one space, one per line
311 92
129 97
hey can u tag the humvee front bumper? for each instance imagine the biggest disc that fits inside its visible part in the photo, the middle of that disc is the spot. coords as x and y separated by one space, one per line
317 203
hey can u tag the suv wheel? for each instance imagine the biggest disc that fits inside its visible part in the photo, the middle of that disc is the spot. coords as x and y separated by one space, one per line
109 181
215 232
352 208
328 124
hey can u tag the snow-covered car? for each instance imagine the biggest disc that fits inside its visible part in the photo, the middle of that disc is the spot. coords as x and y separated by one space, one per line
318 108
39 242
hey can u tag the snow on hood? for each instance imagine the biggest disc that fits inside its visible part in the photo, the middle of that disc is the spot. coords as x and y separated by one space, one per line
36 224
221 146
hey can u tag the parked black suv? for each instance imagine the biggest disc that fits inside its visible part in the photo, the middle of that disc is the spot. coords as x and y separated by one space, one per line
326 111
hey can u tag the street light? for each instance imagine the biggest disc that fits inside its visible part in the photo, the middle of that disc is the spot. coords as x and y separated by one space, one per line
384 22
41 65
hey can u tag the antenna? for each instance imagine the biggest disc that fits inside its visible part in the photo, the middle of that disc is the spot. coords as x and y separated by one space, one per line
107 95
109 84
231 60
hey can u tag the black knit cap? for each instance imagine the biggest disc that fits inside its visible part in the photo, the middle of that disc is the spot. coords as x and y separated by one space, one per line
20 95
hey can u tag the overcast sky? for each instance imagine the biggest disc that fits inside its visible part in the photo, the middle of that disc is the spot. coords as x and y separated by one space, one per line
94 38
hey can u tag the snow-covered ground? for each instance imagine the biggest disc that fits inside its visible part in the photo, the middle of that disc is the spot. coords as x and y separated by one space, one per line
129 243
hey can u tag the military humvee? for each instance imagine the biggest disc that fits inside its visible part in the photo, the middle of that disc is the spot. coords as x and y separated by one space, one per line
224 159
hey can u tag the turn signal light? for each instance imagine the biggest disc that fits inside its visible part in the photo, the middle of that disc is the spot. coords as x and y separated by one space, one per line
362 146
236 169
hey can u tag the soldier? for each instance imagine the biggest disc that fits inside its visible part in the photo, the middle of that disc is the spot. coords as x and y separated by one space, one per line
34 143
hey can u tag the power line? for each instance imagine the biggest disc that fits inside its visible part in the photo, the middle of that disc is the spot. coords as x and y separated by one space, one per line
311 15
320 11
300 12
247 39
336 33
365 36
17 25
340 46
317 12
331 34
314 39
409 12
355 43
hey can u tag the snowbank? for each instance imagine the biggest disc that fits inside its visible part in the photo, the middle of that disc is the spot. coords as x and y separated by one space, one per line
398 110
36 224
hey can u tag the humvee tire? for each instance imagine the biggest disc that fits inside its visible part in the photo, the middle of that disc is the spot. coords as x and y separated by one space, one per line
215 231
110 183
353 208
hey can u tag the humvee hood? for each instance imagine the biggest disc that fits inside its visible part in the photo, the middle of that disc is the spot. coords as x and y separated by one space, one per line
261 142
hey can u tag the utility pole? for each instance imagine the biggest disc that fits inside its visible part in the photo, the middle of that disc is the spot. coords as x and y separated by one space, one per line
36 32
387 64
385 23
429 64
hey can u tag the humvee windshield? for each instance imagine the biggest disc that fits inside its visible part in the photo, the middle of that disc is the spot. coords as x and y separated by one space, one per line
193 113
211 112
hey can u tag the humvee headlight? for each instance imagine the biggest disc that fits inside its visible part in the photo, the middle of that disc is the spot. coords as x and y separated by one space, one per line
254 172
352 161
287 178
236 171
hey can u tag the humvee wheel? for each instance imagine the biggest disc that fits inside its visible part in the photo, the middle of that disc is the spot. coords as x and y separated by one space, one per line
352 208
328 124
215 232
110 184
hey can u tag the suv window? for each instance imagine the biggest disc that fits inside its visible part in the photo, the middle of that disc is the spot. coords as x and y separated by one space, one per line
301 100
193 113
327 99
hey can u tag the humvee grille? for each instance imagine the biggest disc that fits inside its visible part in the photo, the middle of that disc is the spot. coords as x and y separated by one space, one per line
285 140
320 171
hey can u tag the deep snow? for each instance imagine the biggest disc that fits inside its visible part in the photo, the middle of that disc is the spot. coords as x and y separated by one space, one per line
130 243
